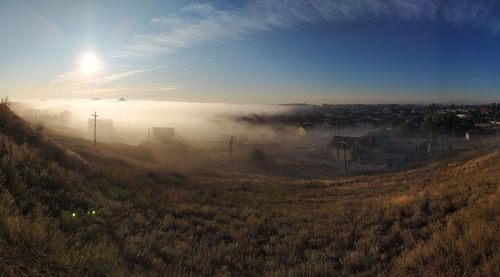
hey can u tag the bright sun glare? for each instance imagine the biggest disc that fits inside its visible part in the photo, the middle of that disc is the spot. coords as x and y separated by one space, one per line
89 63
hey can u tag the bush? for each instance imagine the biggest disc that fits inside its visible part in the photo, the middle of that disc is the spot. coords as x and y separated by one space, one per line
257 158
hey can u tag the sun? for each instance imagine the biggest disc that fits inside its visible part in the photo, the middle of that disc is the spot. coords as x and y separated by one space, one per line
89 63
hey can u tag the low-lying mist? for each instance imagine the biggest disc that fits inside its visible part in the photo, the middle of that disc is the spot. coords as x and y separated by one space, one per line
283 140
199 125
131 120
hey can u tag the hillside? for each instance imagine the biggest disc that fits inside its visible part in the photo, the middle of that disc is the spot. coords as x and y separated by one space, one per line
70 212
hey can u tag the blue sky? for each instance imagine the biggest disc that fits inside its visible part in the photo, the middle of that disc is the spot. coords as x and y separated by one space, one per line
280 51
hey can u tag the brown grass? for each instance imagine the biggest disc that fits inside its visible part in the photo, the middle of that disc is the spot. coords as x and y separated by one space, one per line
440 219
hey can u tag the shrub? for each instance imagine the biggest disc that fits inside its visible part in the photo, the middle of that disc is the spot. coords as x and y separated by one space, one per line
257 158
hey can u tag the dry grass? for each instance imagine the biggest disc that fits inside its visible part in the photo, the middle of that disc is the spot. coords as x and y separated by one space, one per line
440 219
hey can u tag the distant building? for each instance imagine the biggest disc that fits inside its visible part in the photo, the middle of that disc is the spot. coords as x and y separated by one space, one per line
485 110
341 122
304 128
477 134
163 134
300 131
337 146
386 111
357 148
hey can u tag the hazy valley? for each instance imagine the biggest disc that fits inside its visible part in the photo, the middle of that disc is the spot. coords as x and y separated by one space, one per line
67 210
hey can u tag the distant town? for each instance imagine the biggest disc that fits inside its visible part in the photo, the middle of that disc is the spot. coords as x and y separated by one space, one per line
319 139
395 134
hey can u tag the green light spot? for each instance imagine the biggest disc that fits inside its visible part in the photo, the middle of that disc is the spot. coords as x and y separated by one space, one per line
93 212
73 214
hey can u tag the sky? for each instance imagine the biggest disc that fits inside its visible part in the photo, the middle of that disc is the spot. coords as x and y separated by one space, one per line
262 51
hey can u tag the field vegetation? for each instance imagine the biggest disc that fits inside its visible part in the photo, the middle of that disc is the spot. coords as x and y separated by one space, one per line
65 210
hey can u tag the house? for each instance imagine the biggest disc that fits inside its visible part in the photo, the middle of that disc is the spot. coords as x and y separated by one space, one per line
300 131
163 134
304 128
343 148
357 148
485 110
477 134
386 110
341 122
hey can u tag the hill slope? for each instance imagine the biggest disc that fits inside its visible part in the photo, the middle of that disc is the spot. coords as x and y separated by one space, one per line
67 215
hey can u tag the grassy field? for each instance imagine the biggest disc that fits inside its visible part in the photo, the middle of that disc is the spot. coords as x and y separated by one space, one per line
66 211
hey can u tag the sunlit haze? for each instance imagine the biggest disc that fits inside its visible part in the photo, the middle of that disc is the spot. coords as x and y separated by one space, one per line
89 63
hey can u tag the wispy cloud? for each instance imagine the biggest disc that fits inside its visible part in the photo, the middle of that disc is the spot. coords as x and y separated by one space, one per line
78 78
198 23
76 83
121 75
121 91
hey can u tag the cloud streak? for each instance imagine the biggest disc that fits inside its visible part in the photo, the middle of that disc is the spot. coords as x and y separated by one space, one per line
76 83
79 78
197 23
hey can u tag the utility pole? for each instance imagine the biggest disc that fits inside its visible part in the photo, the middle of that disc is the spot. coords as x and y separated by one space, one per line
149 134
345 158
95 127
418 145
231 147
496 124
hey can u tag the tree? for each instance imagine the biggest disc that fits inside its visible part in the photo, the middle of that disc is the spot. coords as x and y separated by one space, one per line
5 101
